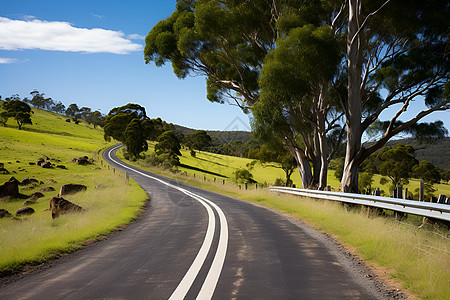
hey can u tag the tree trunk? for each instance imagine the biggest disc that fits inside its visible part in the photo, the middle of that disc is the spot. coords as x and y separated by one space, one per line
323 146
349 181
303 167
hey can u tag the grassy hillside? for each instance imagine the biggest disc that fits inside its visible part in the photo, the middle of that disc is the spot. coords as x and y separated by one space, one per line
36 238
210 165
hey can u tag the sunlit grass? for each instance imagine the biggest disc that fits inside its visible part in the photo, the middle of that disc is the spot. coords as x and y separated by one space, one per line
36 238
419 259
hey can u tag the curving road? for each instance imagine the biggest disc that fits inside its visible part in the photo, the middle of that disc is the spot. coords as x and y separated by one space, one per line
196 244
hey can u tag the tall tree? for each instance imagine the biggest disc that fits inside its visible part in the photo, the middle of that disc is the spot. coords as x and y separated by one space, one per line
168 148
397 163
118 119
397 54
72 110
19 110
38 100
135 141
200 140
296 103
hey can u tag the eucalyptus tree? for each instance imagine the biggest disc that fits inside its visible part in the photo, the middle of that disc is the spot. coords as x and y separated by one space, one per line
227 42
397 55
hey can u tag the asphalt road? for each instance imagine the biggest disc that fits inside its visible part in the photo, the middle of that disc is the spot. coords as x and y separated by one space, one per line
196 244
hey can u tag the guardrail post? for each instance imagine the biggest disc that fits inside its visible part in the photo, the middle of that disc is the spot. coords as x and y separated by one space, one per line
421 191
406 193
223 181
246 186
442 199
377 192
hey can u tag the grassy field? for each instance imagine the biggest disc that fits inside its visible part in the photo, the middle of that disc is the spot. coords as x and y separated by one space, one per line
418 259
36 238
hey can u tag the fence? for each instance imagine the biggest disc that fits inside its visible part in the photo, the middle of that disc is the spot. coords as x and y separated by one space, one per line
426 209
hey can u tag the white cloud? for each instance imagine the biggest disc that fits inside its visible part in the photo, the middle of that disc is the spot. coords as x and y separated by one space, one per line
101 17
5 60
135 36
62 36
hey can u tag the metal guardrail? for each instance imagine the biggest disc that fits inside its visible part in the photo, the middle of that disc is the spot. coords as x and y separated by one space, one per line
426 209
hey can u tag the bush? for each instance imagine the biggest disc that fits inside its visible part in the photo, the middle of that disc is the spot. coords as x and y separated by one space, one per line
243 176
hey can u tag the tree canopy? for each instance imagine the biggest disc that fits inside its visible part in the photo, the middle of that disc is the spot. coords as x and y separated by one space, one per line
18 110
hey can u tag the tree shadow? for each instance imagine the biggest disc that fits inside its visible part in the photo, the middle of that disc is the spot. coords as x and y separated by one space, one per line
202 170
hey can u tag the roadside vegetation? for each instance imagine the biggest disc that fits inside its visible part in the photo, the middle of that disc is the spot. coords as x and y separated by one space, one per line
36 238
416 259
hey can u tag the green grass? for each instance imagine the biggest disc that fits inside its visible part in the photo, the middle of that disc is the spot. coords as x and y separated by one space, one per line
36 238
419 259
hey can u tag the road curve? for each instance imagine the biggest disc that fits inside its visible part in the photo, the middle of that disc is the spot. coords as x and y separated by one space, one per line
195 244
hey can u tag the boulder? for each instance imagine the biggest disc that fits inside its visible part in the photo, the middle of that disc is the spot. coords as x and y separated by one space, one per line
24 211
48 189
36 196
28 180
29 202
59 206
4 213
32 163
30 187
9 189
82 160
61 167
68 120
40 161
13 179
46 165
3 171
71 189
50 181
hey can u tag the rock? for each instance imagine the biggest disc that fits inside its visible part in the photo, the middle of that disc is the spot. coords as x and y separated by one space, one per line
32 163
24 211
48 189
59 206
40 161
68 120
18 161
29 202
3 171
46 165
13 179
61 167
9 189
4 213
28 180
71 189
36 196
82 160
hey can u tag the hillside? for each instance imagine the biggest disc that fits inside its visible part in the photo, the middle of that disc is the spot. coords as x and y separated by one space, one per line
437 154
223 136
58 141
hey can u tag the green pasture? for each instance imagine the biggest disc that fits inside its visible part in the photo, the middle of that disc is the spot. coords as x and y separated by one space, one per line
36 238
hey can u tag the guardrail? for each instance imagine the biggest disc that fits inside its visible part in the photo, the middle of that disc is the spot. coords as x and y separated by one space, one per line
426 209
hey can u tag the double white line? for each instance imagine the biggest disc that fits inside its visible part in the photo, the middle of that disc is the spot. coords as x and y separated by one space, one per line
210 283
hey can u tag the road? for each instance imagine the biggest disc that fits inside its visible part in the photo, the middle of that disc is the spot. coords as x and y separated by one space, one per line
195 244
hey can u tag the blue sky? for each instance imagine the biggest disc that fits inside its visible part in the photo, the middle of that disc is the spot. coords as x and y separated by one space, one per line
90 53
48 52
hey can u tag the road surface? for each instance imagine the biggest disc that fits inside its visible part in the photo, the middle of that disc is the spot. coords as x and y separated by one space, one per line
196 244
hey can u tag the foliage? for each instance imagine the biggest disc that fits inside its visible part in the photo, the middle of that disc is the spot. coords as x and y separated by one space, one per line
200 140
118 119
427 172
18 110
397 163
135 141
243 176
168 148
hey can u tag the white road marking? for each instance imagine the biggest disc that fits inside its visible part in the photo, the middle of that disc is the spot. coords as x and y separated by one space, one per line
210 283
